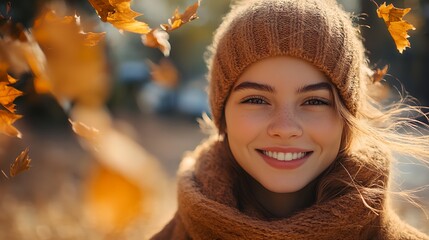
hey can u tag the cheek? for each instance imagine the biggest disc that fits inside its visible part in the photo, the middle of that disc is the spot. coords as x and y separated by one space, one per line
243 126
326 130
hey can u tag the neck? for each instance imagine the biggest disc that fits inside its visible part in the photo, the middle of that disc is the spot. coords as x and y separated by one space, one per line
282 205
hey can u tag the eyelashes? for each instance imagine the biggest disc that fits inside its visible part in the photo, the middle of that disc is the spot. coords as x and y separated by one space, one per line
254 100
313 101
317 101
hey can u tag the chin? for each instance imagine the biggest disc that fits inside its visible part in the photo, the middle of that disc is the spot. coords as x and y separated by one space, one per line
283 188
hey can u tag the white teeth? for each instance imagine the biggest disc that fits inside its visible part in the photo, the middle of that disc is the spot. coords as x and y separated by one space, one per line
284 156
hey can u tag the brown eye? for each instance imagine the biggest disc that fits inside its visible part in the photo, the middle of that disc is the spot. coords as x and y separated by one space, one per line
254 100
316 101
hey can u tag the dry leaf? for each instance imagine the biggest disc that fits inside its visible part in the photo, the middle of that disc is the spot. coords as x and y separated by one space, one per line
76 60
157 38
92 39
164 73
119 14
177 20
21 163
6 120
379 74
397 27
112 210
50 21
86 132
8 95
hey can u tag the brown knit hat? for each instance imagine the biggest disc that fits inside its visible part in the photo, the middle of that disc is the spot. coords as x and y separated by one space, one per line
317 31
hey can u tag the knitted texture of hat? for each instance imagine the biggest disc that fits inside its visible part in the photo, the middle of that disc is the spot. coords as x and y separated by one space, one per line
317 31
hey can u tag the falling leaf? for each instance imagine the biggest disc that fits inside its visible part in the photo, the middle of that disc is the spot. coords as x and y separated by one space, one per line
76 59
50 21
379 74
20 53
83 130
8 95
92 39
177 20
157 38
21 163
164 73
112 210
397 27
6 120
120 15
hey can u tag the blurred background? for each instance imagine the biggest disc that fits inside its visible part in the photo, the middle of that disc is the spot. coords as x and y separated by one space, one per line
145 106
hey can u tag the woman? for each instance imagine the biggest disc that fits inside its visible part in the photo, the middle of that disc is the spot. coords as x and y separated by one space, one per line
302 150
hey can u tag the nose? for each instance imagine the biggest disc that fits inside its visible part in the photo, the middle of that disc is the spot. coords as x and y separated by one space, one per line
284 124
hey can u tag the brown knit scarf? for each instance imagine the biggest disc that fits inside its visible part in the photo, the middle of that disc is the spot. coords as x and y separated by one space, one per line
208 208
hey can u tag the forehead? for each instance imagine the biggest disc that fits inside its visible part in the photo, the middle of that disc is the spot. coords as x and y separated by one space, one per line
284 69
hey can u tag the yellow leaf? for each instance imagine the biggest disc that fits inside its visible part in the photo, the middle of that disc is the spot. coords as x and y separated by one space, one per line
21 163
397 27
379 74
6 121
120 15
8 95
157 38
177 20
91 39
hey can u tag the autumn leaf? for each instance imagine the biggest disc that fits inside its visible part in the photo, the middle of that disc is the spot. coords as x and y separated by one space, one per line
379 74
164 73
21 163
8 95
177 20
112 210
120 15
85 131
157 38
6 120
92 39
75 58
397 27
49 21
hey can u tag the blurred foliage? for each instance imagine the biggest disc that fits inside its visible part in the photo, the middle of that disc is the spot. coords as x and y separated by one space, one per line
103 182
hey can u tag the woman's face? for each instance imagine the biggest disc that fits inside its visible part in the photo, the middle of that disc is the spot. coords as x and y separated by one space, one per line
281 123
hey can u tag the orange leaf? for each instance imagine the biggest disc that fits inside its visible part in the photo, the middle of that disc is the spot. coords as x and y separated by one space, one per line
8 95
157 38
85 131
397 27
120 15
177 20
92 39
21 163
6 121
379 74
164 73
49 21
112 210
75 59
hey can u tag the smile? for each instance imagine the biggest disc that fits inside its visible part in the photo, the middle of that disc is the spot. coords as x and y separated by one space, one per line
282 156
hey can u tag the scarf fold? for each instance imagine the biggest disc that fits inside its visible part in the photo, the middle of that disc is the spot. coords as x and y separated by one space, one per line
207 208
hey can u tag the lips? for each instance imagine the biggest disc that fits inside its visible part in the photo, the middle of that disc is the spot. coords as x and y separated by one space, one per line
281 158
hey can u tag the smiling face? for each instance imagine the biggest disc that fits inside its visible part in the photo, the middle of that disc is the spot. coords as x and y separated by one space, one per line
281 123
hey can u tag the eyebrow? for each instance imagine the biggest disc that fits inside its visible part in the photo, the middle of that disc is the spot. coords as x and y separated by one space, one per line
268 88
315 87
253 85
